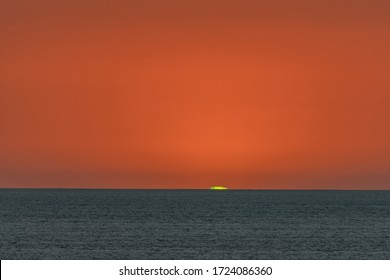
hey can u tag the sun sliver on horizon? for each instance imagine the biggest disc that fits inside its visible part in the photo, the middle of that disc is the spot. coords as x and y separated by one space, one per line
218 188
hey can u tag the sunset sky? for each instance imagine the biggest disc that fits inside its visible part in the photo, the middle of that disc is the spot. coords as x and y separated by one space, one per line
193 93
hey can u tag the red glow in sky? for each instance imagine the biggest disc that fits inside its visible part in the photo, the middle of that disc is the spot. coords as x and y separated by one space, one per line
189 94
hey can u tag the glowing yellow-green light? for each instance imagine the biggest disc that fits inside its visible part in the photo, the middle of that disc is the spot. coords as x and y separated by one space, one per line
218 188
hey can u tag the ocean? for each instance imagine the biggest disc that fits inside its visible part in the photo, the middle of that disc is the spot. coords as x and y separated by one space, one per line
193 224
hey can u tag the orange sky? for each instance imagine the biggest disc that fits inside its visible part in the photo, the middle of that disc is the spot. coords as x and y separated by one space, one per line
188 94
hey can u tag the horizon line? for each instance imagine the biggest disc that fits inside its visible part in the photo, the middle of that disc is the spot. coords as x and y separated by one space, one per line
200 189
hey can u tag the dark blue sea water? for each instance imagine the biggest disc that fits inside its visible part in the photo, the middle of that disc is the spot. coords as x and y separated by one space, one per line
194 224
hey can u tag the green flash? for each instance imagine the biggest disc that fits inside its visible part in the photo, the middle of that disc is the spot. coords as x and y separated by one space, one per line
218 188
